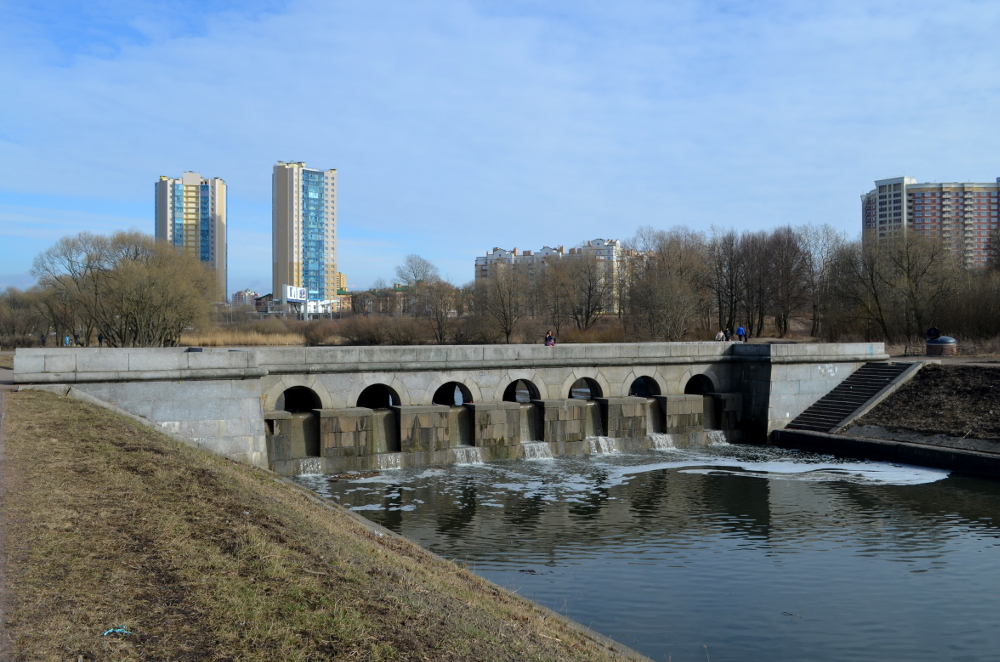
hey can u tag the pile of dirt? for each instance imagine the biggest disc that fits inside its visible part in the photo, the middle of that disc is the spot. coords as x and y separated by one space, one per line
955 400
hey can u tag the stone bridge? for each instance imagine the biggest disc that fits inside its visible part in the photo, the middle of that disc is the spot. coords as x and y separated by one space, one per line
329 409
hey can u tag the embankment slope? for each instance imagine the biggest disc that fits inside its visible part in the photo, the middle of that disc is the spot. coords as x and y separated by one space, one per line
111 524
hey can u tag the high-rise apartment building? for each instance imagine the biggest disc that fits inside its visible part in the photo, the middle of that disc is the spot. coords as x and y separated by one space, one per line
962 215
304 231
191 216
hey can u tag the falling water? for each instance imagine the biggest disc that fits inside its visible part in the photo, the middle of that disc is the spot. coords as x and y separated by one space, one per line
603 445
662 442
716 437
536 450
311 465
468 455
388 461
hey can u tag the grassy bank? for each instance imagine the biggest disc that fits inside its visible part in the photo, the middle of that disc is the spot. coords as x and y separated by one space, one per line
111 524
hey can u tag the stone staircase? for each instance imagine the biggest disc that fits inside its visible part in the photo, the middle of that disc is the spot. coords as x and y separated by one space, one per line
849 396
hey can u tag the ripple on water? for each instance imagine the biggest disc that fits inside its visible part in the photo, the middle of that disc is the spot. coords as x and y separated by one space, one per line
762 553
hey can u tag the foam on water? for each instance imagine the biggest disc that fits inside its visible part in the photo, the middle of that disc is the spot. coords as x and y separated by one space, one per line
603 445
536 450
468 455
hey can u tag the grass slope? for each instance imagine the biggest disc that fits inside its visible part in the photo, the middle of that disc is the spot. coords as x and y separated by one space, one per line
111 524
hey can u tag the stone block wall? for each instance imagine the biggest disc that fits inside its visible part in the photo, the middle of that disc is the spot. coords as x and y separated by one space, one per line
682 414
223 416
423 429
570 420
497 423
625 418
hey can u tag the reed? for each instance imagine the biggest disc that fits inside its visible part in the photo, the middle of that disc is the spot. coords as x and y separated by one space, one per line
239 338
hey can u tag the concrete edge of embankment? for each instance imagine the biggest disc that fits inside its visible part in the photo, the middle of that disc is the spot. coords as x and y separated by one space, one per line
884 450
606 643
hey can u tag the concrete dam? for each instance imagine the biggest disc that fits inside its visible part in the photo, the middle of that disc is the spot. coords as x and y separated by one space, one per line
331 409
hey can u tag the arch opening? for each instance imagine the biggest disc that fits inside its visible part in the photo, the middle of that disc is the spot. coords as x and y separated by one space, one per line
585 388
699 385
453 394
378 396
298 399
302 403
644 387
522 391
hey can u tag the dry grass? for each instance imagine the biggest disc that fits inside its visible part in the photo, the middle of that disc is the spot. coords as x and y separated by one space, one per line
7 361
111 524
236 338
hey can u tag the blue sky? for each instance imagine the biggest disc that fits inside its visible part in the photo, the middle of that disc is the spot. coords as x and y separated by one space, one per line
458 126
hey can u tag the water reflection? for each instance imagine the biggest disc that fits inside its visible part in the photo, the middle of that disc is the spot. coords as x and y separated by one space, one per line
758 553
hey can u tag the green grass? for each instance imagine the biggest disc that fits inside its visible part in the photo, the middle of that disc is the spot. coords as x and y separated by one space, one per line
109 523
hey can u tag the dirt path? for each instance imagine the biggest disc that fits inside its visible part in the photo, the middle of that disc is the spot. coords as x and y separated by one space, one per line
4 596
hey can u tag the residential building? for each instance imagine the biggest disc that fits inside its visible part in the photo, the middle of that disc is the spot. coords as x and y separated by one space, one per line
191 216
244 299
304 230
607 252
963 215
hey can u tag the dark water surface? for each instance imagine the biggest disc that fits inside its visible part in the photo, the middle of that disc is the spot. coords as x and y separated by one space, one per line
756 553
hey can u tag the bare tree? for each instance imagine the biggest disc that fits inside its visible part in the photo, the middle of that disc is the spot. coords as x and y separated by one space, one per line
502 297
416 269
821 245
590 283
789 265
136 292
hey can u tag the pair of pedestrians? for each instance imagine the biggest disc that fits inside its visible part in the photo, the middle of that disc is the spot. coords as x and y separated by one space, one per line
725 335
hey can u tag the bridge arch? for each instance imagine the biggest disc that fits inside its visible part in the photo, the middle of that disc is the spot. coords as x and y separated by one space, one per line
378 396
298 400
585 388
522 391
644 387
452 394
699 385
288 382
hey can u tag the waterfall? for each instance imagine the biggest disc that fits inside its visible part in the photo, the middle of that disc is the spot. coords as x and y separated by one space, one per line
536 450
311 465
468 455
716 437
388 461
603 445
662 442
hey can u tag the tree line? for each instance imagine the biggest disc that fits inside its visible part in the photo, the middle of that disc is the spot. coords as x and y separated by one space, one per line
125 289
670 285
678 284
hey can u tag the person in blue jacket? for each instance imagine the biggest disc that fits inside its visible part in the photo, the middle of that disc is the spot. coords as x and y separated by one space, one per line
741 333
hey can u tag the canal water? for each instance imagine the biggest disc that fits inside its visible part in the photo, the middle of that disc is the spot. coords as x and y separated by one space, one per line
719 553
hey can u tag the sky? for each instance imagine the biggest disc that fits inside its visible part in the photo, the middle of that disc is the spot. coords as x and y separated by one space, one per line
458 126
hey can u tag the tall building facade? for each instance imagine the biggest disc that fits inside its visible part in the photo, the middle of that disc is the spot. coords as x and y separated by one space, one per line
962 215
304 230
191 216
